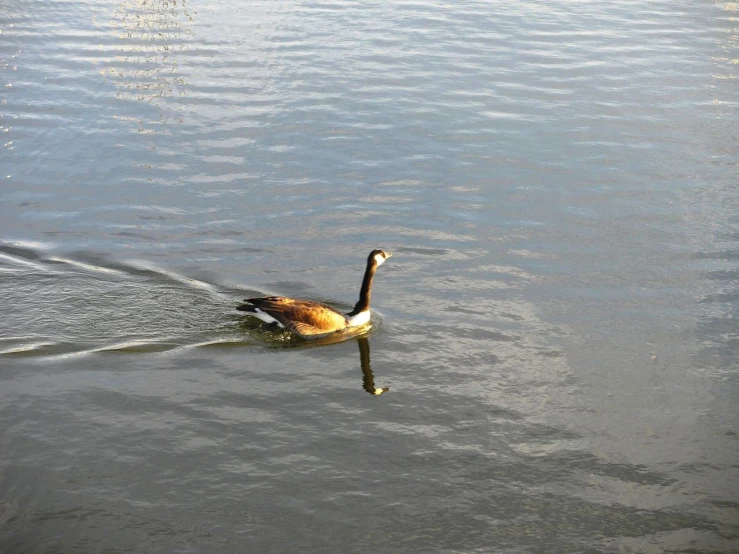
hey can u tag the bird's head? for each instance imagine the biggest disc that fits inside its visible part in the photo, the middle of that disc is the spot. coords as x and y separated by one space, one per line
379 256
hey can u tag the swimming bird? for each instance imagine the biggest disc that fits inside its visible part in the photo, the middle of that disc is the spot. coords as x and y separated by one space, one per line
309 319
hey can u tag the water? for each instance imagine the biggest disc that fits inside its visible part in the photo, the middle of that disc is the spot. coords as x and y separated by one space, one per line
557 327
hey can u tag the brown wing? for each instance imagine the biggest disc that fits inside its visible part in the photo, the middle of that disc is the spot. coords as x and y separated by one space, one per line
306 318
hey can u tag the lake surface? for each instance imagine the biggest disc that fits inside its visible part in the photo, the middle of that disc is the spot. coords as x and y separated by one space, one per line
557 327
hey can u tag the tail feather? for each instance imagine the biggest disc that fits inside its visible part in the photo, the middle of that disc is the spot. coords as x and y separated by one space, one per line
246 307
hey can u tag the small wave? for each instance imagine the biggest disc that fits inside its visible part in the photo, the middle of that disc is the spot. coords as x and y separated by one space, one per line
83 265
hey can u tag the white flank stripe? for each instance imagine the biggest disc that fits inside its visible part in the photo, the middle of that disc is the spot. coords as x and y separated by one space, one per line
264 316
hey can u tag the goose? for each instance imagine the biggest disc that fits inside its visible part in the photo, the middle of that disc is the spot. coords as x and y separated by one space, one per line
309 319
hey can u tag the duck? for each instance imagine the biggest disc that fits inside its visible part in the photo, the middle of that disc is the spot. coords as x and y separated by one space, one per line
309 319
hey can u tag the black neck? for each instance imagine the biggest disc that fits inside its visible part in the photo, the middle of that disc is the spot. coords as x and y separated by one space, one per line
365 292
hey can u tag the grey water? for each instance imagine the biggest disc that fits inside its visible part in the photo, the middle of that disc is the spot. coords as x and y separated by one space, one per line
557 327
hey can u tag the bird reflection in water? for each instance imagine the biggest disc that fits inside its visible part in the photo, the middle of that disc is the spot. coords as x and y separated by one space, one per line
284 339
368 378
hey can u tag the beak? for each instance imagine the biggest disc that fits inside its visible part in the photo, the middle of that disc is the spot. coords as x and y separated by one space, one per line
388 255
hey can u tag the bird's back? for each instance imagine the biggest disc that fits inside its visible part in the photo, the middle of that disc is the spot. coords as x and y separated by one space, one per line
306 318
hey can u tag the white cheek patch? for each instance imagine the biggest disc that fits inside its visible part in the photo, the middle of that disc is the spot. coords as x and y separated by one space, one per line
379 259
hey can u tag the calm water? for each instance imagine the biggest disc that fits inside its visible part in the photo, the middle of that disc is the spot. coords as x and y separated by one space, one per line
558 326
